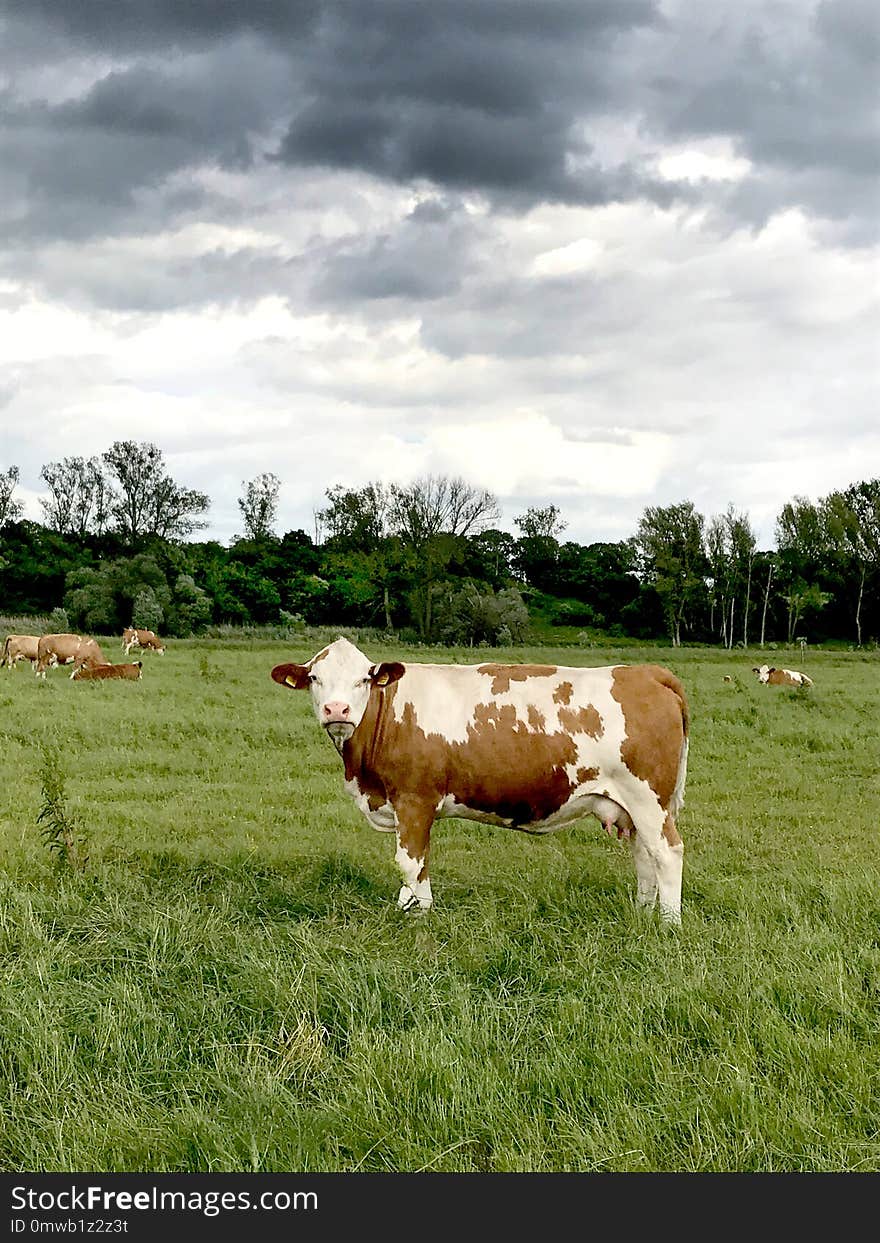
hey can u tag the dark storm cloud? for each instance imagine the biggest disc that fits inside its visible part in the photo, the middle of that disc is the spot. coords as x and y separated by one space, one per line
79 168
468 96
503 98
426 258
144 25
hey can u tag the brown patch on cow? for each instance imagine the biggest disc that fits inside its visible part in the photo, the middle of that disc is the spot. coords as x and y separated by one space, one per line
502 766
670 832
294 676
414 820
536 718
587 774
563 693
585 721
503 675
322 655
387 672
655 717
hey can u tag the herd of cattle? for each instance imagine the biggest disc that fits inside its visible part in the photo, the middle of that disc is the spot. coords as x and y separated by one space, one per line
84 653
527 747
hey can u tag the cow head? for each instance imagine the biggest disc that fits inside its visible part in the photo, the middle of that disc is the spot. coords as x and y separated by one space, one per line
762 672
340 679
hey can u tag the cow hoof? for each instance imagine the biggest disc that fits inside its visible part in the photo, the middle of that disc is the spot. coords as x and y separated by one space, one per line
408 902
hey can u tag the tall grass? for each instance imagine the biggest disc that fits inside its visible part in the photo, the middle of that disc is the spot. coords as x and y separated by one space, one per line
229 985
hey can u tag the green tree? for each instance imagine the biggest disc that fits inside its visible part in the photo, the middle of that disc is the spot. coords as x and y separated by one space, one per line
853 523
473 614
244 595
146 500
79 496
356 519
802 599
147 613
601 576
10 509
191 607
432 518
102 597
489 557
730 548
804 549
537 551
259 505
670 540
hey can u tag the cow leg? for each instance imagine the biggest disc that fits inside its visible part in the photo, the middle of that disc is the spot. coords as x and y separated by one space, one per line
414 820
658 863
646 873
669 867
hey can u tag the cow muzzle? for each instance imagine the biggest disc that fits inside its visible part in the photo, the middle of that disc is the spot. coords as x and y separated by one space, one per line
336 719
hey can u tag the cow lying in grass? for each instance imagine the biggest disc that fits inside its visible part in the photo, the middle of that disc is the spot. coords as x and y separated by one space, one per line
529 747
101 672
781 677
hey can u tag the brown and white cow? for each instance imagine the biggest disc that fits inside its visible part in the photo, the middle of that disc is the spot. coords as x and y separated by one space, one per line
99 672
132 637
66 649
530 747
19 647
781 677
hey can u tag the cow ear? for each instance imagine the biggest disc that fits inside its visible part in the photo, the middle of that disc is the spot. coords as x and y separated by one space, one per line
387 672
294 676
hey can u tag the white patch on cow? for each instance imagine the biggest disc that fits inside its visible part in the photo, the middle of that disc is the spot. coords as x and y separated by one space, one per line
340 674
443 698
413 891
383 818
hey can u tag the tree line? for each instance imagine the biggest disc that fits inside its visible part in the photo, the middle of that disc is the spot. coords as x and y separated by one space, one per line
427 562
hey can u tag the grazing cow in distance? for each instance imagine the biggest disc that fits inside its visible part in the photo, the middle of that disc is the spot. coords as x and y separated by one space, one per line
781 677
528 747
66 649
146 639
19 647
131 672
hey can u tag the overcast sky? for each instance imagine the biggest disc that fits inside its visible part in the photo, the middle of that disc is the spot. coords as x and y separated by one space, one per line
600 253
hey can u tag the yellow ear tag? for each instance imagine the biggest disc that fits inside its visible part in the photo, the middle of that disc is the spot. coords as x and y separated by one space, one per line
383 679
290 681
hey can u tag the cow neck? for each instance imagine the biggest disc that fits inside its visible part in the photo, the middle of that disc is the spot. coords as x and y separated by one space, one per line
359 750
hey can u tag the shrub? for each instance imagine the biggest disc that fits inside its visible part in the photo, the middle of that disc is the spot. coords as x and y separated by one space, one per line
147 613
58 622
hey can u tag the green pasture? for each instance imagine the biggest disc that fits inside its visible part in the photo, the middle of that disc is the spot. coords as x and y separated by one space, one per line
228 984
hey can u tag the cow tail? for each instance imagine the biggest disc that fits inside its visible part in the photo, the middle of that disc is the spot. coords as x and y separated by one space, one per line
676 802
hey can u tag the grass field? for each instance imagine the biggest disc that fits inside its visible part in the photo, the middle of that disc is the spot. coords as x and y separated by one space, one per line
229 986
